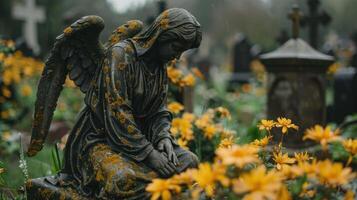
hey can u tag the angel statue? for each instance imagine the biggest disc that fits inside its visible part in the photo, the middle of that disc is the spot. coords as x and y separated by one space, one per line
121 139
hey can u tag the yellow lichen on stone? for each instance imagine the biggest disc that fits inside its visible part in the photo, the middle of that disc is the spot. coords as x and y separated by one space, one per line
68 31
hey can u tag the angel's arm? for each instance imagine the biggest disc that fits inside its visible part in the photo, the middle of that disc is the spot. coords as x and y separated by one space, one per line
123 132
161 124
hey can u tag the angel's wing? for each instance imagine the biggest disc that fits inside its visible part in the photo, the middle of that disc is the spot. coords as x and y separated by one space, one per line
77 52
127 30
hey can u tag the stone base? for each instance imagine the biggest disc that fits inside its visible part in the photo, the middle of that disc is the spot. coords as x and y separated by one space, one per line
41 188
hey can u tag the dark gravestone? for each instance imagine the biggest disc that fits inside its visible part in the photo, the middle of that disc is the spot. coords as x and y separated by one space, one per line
345 96
242 57
313 20
241 54
296 84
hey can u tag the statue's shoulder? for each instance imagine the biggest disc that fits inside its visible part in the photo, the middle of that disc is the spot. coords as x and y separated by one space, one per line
123 50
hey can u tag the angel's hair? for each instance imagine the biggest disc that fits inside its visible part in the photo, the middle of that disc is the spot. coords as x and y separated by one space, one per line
186 33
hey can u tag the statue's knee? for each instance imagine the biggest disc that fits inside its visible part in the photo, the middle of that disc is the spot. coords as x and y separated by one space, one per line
121 181
194 160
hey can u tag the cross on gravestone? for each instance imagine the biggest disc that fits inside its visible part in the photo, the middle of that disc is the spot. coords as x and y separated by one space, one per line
313 20
295 16
31 14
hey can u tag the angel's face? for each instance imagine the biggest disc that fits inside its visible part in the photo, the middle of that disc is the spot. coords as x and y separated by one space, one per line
172 49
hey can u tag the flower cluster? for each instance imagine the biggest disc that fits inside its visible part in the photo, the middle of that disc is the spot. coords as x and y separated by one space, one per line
242 171
181 79
16 71
192 131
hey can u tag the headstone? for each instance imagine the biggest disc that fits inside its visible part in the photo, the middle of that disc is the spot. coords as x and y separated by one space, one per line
242 57
345 96
296 84
314 20
241 54
31 15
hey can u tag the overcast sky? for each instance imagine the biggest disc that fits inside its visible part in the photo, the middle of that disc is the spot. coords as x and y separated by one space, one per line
123 5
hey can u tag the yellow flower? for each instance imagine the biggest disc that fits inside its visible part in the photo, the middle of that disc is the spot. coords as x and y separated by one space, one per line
285 124
188 116
302 157
161 188
185 177
225 133
197 73
175 107
207 176
284 193
209 131
282 159
226 142
238 155
174 74
258 184
350 146
2 57
2 170
332 69
5 114
350 195
6 92
183 127
262 142
182 143
205 119
266 124
26 90
306 191
322 135
224 112
188 80
333 174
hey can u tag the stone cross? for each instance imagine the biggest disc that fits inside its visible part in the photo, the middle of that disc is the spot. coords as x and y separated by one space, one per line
295 16
313 20
31 14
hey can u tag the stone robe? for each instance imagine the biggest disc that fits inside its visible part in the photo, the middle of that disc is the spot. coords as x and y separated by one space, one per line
124 119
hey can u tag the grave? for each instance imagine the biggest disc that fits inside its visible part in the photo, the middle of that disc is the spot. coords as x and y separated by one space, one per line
296 83
31 14
242 57
314 20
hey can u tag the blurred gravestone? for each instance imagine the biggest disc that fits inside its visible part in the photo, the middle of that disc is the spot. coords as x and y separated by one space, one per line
31 14
313 20
345 95
296 84
242 58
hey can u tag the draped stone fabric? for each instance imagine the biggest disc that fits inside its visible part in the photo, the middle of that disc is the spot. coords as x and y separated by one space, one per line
124 118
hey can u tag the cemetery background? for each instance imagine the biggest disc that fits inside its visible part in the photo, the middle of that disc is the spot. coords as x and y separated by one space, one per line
208 83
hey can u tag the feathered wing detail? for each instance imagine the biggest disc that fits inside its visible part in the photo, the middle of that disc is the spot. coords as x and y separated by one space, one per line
77 52
127 30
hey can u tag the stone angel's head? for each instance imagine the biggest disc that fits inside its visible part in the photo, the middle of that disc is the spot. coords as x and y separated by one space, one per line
173 32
